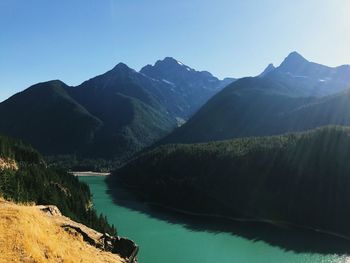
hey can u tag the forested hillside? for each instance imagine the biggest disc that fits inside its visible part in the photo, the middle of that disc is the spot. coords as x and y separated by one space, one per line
48 118
260 107
111 116
300 178
296 96
29 180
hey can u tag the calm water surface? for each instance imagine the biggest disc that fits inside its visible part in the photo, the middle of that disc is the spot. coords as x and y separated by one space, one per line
164 242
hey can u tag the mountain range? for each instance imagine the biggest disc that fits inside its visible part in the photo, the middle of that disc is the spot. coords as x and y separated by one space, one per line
118 113
296 96
309 79
190 87
112 115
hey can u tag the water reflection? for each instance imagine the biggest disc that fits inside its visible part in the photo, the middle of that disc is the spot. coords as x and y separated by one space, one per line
296 240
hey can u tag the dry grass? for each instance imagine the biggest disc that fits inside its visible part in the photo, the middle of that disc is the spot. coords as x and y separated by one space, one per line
29 235
8 164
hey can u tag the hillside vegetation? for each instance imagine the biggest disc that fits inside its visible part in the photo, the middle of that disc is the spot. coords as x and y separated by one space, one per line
29 180
300 178
48 118
259 107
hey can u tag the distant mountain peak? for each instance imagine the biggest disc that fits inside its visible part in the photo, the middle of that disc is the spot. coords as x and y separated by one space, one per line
169 63
171 60
47 85
293 59
51 82
121 67
267 70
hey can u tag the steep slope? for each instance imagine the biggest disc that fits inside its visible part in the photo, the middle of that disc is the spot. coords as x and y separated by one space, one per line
295 179
267 70
191 88
130 107
110 116
332 109
47 117
29 235
248 107
270 104
25 177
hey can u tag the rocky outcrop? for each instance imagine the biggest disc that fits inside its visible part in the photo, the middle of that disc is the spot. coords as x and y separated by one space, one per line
125 248
41 234
51 210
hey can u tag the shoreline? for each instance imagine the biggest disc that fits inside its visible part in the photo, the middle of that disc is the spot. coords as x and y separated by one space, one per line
275 223
89 173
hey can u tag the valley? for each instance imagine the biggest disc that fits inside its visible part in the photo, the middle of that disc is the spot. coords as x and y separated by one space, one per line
237 165
174 131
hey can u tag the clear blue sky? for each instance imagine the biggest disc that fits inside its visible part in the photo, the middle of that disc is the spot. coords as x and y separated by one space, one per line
76 40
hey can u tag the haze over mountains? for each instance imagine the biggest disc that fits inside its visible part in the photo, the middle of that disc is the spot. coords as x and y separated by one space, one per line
296 96
112 115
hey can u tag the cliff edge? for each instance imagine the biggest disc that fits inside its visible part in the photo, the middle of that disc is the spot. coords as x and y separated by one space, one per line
41 234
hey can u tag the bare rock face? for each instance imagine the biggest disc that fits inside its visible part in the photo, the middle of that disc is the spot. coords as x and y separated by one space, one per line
124 247
50 210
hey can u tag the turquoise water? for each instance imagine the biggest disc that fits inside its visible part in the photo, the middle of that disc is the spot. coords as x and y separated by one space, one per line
164 242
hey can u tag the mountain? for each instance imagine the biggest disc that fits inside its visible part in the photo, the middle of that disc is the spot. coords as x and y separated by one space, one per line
131 108
307 78
47 117
192 88
267 105
112 115
267 70
298 179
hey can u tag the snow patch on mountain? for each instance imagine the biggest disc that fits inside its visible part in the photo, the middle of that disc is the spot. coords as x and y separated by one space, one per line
168 82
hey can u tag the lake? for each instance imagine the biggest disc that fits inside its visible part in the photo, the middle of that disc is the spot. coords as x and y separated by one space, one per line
162 241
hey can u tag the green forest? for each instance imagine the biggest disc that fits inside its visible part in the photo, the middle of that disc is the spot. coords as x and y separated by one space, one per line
299 178
35 182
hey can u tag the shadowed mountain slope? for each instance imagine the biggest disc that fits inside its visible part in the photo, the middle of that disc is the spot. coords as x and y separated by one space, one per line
110 116
275 102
